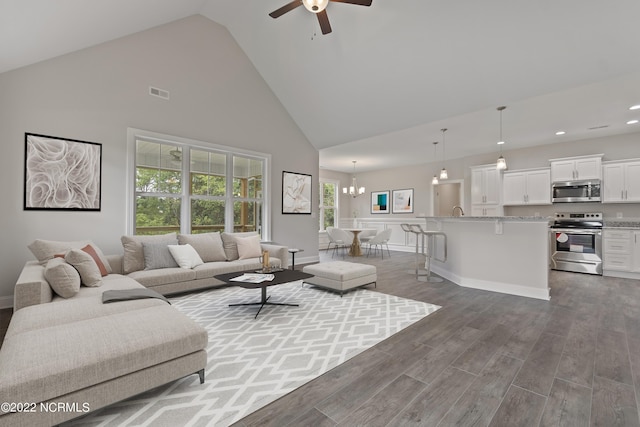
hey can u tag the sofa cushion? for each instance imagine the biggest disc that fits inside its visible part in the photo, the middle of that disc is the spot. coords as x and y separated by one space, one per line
151 278
230 243
208 245
100 261
50 362
63 278
44 250
133 252
249 247
86 266
157 255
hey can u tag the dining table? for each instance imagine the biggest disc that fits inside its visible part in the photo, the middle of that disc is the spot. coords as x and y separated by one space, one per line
355 249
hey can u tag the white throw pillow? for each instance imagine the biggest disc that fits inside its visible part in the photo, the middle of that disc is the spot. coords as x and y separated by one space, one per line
249 247
63 278
185 255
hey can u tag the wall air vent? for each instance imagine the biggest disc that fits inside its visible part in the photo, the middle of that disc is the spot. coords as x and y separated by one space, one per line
160 93
599 127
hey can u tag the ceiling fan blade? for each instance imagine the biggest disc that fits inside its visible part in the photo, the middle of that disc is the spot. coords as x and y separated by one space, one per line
286 8
358 2
323 19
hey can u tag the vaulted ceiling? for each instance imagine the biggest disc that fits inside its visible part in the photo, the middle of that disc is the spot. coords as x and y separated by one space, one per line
379 88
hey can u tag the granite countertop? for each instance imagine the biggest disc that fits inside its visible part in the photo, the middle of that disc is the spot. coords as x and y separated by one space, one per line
622 223
488 218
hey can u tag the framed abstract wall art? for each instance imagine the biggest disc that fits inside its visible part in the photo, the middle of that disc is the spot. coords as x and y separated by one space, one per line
62 174
403 201
296 193
380 202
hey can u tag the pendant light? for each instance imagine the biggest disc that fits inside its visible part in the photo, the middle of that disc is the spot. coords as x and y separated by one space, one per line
434 181
502 163
354 191
443 172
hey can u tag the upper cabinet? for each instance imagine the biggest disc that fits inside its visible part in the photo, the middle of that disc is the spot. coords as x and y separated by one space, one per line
621 181
527 187
486 191
576 168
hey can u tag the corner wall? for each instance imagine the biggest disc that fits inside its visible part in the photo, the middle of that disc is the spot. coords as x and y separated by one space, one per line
95 94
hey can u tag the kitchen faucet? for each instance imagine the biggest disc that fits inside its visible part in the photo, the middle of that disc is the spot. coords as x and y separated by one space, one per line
453 211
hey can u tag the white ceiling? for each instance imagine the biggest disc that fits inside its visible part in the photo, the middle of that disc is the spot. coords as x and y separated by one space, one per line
390 76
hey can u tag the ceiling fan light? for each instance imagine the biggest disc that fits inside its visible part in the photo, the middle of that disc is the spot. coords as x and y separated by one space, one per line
315 6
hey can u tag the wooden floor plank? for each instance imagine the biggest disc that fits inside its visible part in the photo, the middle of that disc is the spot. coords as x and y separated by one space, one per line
612 357
568 405
539 368
613 404
519 408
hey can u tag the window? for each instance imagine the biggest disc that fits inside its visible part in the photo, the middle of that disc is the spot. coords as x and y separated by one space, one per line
186 187
328 204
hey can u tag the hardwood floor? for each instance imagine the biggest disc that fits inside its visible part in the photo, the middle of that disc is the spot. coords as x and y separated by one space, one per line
485 359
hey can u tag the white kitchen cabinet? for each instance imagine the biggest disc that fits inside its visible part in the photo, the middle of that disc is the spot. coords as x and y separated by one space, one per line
576 168
486 191
621 182
529 187
621 251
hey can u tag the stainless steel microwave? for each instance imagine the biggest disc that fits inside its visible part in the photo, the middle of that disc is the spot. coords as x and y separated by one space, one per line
576 191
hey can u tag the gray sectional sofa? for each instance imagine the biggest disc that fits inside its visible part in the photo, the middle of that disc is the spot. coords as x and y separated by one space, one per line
82 353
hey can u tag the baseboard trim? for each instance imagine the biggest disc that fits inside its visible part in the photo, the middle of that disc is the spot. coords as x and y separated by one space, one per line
621 274
6 302
485 285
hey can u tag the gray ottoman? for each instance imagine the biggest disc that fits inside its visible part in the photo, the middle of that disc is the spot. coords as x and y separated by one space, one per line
340 275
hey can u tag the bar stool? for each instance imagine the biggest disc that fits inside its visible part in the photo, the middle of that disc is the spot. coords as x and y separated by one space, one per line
419 238
429 252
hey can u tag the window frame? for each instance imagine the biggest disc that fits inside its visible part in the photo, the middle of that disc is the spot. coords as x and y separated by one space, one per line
186 144
321 207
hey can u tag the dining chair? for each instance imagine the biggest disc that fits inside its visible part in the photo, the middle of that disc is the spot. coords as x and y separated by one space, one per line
382 238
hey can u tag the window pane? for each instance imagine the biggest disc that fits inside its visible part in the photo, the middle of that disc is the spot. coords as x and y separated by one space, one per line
157 215
207 216
329 194
247 178
329 218
247 216
208 171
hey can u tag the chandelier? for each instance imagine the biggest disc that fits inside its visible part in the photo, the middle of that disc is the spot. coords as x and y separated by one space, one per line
353 190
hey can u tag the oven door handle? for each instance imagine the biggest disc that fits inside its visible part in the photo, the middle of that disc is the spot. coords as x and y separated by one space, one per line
597 232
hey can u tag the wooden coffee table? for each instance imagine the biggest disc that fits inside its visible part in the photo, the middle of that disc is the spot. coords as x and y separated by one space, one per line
280 277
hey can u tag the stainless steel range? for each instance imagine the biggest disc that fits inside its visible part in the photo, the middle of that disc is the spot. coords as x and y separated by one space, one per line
576 242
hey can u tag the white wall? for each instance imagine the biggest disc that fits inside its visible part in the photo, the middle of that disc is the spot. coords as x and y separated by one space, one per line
419 177
95 94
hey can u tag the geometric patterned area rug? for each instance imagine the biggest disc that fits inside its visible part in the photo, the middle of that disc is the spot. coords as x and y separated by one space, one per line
252 362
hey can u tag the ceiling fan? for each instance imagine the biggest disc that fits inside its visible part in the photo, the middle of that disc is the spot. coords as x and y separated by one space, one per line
318 7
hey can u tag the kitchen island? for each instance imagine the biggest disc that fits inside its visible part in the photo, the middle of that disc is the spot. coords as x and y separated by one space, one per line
502 254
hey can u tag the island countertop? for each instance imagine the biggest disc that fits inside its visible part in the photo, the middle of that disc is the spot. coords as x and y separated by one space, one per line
507 254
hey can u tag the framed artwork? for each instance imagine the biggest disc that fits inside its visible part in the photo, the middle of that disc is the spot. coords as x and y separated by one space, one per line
62 174
403 201
380 202
296 193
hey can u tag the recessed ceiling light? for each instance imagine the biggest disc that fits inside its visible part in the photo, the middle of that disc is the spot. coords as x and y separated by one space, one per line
632 122
635 107
560 132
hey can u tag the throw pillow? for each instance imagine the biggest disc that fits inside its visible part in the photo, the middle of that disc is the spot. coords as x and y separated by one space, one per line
86 266
249 247
231 245
134 254
100 261
63 278
185 256
208 245
44 250
157 255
